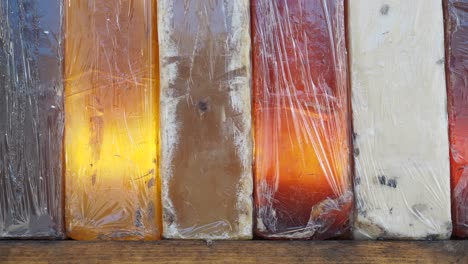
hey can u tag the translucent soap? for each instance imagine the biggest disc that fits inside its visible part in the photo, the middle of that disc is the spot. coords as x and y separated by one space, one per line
112 120
301 120
457 72
206 119
31 119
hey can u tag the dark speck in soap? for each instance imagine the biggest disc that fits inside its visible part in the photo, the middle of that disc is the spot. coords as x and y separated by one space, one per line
356 152
382 179
357 181
392 183
138 218
384 10
151 183
93 179
432 237
387 182
203 106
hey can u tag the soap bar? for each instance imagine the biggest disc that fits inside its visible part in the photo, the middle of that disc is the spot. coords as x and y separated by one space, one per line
302 121
111 142
457 58
399 101
205 119
31 119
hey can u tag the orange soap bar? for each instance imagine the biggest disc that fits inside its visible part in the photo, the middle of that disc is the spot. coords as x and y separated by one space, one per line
457 72
301 119
111 127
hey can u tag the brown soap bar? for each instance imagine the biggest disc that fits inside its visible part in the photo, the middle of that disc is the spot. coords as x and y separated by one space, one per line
206 119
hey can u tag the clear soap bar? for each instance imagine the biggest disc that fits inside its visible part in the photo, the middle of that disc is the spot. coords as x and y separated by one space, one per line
302 124
112 120
31 119
402 180
205 118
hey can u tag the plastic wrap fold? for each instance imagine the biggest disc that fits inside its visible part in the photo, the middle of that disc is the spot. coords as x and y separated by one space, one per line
112 119
399 101
206 118
301 112
457 80
31 119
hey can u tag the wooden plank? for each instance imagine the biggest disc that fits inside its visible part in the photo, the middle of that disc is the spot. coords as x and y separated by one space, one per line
234 252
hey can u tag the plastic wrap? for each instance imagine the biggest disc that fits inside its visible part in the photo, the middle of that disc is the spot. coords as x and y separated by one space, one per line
112 120
301 115
31 119
402 180
206 118
457 80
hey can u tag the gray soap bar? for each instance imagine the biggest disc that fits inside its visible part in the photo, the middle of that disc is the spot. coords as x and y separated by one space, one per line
31 119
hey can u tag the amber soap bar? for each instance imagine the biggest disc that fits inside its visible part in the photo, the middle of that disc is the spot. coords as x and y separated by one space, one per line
205 119
31 119
457 73
112 120
399 104
301 120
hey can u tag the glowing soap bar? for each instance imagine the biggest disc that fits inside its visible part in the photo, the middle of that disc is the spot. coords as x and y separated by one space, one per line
205 119
111 143
301 120
31 119
457 57
399 101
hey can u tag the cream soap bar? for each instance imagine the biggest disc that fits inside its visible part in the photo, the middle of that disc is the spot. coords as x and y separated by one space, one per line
400 119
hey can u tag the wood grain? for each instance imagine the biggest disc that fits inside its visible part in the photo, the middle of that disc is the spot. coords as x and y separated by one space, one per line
234 252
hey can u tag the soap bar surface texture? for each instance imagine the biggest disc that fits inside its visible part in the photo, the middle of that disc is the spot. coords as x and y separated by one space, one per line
111 128
399 106
457 80
205 119
31 119
301 112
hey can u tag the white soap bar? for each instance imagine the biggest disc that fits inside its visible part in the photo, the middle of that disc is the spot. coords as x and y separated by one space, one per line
400 119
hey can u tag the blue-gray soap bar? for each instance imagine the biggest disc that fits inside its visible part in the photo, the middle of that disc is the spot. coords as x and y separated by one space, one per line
31 119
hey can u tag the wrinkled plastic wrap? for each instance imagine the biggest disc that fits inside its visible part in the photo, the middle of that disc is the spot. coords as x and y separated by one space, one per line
457 80
206 118
112 120
31 119
402 180
301 113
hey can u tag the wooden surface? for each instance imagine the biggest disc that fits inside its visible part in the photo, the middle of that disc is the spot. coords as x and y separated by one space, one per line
233 252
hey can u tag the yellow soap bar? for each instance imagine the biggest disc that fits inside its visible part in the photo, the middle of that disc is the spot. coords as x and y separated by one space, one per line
111 127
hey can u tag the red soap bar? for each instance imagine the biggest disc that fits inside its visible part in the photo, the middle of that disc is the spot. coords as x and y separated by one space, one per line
301 118
457 79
